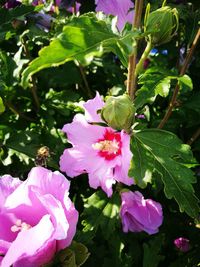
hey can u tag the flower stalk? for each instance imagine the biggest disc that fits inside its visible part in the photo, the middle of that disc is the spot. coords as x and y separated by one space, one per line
139 66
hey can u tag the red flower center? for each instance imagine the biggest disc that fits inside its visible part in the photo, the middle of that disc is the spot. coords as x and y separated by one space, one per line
109 146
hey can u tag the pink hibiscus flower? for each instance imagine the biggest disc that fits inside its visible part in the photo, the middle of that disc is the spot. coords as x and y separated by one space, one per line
37 218
139 214
119 8
100 151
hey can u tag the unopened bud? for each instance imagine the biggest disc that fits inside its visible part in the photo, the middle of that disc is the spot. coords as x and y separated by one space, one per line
162 25
119 112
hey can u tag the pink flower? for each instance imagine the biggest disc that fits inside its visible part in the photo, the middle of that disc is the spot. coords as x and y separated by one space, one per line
139 214
100 151
37 218
183 244
119 8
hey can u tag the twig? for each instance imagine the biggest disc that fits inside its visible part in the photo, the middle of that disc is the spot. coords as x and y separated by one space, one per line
34 93
194 137
132 77
182 72
85 80
33 80
17 112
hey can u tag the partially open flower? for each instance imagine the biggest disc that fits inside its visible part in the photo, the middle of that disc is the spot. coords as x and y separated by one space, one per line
37 218
139 214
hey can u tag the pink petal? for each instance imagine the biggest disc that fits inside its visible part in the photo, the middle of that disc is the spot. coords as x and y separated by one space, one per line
4 246
117 8
58 217
72 218
29 208
121 171
6 222
72 162
91 108
102 178
32 247
45 180
81 133
7 185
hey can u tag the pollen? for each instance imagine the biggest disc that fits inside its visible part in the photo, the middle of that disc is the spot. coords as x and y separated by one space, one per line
108 146
20 226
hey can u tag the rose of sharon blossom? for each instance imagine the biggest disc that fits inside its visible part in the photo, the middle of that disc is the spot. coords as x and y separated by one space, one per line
37 218
183 244
139 214
100 151
119 8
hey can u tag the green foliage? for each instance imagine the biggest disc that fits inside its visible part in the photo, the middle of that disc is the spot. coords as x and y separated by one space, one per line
100 212
81 39
10 19
73 256
162 152
68 62
152 251
156 82
2 107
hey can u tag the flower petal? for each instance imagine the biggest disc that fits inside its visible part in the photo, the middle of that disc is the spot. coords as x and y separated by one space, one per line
24 253
103 178
28 208
121 171
117 8
72 162
72 218
7 220
7 185
81 133
91 107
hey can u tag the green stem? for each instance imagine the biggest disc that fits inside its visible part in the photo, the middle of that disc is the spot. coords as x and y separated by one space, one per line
139 66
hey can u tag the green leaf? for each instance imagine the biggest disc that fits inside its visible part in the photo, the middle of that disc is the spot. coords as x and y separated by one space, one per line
2 107
102 212
154 82
82 39
157 82
162 152
73 256
185 82
80 251
8 15
14 15
7 65
152 250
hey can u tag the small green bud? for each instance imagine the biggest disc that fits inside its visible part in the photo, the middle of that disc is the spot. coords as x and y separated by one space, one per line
119 112
163 23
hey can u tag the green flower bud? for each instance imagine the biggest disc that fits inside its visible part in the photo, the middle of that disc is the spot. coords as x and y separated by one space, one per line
163 23
119 112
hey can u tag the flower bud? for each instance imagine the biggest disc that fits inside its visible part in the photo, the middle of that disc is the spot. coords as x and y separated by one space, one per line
163 23
139 214
119 112
182 244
